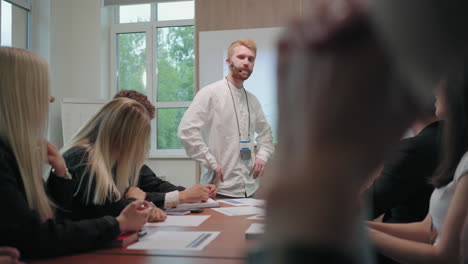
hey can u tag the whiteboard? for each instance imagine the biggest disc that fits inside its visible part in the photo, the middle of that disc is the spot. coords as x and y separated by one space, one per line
75 113
262 83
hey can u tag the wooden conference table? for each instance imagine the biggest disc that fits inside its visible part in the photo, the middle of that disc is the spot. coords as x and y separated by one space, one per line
229 247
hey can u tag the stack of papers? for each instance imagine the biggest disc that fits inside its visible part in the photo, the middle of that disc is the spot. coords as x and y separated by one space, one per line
175 240
244 202
191 206
181 220
255 231
245 210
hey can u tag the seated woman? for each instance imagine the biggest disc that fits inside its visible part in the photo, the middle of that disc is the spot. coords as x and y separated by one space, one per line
105 157
163 193
28 221
436 239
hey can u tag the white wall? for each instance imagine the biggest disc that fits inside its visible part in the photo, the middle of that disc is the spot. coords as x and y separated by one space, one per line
74 37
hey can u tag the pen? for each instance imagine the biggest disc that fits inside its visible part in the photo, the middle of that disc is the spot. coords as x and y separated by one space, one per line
143 206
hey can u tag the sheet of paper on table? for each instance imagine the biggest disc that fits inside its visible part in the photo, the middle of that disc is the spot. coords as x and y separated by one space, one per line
256 217
242 210
244 202
181 220
175 240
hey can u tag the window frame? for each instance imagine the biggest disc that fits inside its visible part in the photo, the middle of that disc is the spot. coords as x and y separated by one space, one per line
150 30
27 6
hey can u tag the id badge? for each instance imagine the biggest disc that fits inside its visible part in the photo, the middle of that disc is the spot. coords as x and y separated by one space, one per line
245 150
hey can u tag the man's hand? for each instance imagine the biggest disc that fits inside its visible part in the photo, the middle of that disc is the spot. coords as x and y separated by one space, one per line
258 168
157 215
196 193
136 193
218 174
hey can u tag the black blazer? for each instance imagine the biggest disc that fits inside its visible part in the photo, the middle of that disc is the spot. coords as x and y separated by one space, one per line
21 227
69 195
402 191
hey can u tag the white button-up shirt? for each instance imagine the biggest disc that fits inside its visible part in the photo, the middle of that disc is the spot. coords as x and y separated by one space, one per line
210 135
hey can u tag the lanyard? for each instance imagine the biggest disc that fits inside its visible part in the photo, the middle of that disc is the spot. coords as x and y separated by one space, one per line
235 110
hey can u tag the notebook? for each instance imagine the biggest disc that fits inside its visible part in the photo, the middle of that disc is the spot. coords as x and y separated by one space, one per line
255 231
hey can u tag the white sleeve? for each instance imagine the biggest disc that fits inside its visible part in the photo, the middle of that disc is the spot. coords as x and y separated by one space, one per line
190 126
171 199
462 167
264 136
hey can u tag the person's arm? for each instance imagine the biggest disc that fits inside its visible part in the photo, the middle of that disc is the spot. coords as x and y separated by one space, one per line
447 251
22 227
417 231
264 137
190 126
71 194
406 251
157 190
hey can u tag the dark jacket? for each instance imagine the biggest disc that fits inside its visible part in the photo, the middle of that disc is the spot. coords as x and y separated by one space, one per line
402 191
22 227
70 194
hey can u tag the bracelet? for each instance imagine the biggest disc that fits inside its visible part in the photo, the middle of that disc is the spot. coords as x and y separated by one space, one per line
67 175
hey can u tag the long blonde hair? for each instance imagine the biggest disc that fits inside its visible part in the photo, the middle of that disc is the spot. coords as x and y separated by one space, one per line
116 138
24 109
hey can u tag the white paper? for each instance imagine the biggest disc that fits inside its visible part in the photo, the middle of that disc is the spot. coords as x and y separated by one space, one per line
244 202
256 217
244 210
175 240
255 229
181 220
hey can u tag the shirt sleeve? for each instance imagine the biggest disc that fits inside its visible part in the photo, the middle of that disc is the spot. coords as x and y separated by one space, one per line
157 189
195 118
462 167
264 137
172 199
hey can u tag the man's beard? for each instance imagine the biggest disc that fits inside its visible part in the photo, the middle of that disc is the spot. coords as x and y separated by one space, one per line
244 75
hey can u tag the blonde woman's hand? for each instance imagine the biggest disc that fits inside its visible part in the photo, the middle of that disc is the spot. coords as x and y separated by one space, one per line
134 216
195 193
136 193
212 190
55 159
157 215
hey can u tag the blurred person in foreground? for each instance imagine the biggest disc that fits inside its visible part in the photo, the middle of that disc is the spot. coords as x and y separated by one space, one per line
337 123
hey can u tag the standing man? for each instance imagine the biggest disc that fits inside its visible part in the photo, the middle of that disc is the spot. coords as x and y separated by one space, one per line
219 127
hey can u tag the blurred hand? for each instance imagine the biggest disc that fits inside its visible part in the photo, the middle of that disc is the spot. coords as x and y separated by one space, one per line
9 255
196 193
55 159
157 215
337 120
136 193
134 216
212 190
218 174
258 168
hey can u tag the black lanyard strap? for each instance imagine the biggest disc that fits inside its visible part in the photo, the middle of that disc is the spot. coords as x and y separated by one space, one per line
235 110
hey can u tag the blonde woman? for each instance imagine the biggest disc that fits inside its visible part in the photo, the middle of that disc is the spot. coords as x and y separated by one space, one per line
105 157
29 222
163 193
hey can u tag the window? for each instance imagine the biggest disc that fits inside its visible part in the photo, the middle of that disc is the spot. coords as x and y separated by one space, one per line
153 53
14 23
